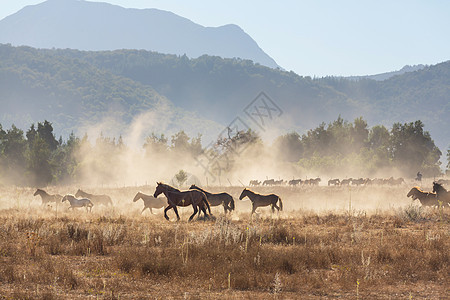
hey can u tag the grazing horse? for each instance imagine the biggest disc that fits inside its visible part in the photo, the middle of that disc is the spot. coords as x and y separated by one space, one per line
149 201
97 199
441 193
269 182
255 182
217 199
295 182
314 181
358 181
398 181
175 198
75 203
46 197
334 182
259 200
425 198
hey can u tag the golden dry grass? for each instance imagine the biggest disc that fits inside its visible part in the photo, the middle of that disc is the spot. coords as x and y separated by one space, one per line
360 244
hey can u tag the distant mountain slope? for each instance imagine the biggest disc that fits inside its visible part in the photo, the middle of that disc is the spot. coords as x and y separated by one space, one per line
215 89
222 88
387 75
76 96
100 26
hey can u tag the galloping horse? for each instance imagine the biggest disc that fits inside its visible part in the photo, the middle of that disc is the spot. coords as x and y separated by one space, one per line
259 200
441 193
75 203
97 199
425 198
175 198
149 201
217 199
46 197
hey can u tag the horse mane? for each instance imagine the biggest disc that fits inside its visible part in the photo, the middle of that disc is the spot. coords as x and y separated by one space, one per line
419 189
171 188
251 191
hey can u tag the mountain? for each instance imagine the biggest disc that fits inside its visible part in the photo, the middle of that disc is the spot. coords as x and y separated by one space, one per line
79 97
87 25
73 86
387 75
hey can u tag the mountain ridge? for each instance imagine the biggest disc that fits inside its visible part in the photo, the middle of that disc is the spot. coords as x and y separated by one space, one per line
50 25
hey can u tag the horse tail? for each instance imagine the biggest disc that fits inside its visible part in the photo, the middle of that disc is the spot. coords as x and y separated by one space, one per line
281 204
232 203
205 200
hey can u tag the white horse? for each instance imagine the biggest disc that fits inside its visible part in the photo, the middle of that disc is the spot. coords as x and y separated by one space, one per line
150 201
76 203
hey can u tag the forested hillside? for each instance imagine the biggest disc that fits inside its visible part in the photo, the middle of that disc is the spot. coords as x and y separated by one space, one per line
70 87
76 95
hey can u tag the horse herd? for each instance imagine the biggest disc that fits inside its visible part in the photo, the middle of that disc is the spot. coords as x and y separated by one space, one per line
200 200
332 182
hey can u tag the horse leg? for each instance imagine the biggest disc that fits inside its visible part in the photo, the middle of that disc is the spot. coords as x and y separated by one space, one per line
195 212
253 208
143 209
176 212
273 208
151 211
276 206
165 212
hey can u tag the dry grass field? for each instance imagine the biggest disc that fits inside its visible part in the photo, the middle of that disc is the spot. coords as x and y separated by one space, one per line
351 243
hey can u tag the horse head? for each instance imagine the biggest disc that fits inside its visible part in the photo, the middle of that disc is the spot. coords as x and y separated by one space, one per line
137 197
78 193
438 188
38 191
243 194
412 193
160 188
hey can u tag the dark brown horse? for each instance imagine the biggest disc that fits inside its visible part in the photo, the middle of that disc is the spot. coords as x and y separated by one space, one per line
441 193
149 201
218 199
175 198
96 199
46 197
425 198
259 200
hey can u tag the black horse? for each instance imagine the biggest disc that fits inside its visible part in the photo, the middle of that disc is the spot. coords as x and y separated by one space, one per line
175 198
259 200
224 199
441 193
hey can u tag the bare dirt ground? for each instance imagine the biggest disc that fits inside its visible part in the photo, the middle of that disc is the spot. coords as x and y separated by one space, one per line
329 242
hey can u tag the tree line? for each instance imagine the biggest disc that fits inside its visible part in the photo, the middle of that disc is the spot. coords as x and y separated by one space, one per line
35 157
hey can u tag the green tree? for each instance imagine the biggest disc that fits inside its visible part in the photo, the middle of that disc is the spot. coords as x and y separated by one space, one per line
64 160
288 147
183 144
155 144
15 147
412 149
39 162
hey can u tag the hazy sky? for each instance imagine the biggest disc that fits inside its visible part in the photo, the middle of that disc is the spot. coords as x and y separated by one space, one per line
321 37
